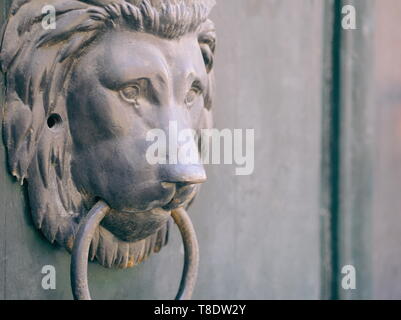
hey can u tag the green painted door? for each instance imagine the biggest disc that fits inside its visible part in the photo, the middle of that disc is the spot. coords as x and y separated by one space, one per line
290 71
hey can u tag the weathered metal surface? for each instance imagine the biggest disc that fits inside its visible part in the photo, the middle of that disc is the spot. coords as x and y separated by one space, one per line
263 230
357 146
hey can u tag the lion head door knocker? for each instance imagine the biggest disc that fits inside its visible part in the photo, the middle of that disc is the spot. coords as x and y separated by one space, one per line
80 100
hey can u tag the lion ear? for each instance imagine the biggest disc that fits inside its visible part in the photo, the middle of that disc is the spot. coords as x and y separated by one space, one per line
207 42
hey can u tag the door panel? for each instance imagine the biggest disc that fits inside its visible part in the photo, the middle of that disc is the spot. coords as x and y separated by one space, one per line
259 235
323 193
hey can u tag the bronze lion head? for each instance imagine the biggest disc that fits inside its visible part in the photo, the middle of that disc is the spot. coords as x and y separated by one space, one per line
80 99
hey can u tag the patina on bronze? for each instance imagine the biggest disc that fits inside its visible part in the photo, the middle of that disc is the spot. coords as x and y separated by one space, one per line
79 102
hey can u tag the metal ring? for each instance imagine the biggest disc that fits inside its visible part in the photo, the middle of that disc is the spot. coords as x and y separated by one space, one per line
191 258
80 252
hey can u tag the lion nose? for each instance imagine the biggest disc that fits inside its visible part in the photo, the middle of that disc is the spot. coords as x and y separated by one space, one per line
184 174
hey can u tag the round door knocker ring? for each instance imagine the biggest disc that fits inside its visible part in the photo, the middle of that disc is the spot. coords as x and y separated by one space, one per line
80 252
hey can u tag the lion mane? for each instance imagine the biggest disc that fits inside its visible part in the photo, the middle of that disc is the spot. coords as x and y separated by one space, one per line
37 64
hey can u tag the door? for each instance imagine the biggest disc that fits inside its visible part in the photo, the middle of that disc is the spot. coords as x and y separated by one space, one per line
305 85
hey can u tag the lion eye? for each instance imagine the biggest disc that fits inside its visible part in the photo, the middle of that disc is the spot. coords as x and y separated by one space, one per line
131 93
191 96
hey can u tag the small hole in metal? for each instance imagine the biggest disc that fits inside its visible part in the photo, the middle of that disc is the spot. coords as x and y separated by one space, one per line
54 121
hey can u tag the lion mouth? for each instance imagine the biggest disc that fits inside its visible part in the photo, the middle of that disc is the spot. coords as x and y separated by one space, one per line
155 210
132 225
182 197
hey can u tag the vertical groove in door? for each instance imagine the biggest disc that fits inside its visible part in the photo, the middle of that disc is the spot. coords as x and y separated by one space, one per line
331 146
347 150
